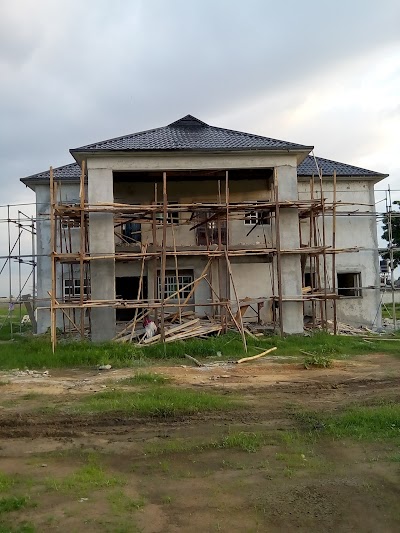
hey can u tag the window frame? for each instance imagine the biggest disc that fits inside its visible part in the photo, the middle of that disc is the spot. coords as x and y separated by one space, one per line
74 288
261 218
356 288
185 276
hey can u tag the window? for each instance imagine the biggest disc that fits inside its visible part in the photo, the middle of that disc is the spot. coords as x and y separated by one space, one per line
207 231
68 222
172 216
132 231
72 288
349 284
309 279
263 218
172 285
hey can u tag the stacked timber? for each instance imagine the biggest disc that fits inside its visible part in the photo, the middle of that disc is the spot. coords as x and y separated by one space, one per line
188 328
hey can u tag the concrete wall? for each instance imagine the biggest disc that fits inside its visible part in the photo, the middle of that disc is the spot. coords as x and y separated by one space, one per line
357 230
67 193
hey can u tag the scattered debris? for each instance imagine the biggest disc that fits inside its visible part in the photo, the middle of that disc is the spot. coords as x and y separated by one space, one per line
246 359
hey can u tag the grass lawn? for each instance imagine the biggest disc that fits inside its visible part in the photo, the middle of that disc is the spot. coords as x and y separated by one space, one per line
35 352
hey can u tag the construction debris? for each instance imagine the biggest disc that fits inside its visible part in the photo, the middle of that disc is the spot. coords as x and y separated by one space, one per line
197 327
246 359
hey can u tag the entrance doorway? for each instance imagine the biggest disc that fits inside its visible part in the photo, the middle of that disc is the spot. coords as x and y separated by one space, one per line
126 288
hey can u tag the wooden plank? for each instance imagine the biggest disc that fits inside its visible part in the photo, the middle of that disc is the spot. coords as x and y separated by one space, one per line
246 359
228 264
174 329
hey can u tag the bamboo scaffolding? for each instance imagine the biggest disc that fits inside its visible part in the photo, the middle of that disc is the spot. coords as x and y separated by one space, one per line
200 214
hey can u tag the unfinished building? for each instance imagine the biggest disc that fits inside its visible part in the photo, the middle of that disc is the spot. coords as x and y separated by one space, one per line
192 218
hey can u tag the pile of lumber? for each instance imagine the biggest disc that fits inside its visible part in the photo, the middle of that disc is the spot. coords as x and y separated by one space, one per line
186 330
188 327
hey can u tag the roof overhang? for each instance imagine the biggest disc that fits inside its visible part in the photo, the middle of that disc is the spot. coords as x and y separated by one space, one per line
300 152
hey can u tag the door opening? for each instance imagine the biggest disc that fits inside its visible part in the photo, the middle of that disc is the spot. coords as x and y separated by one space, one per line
126 288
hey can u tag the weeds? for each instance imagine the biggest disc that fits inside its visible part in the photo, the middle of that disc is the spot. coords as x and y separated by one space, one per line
35 352
144 378
318 361
14 503
6 482
159 402
87 478
120 502
374 422
248 442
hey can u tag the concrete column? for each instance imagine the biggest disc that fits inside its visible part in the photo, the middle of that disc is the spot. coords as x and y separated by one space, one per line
101 242
292 312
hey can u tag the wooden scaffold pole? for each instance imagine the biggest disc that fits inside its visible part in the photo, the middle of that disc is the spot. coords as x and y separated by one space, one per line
334 302
163 256
53 310
82 248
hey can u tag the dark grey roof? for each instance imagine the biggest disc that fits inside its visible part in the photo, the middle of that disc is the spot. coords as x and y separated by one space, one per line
308 168
69 172
189 133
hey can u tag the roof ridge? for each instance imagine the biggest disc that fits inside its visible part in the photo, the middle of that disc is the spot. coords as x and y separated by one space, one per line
128 135
189 121
257 136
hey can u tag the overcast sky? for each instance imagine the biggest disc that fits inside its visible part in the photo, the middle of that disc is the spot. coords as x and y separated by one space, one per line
314 72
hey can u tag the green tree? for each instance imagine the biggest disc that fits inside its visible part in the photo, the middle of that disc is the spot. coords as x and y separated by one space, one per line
395 241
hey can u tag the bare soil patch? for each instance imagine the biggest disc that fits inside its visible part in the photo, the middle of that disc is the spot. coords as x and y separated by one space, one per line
115 472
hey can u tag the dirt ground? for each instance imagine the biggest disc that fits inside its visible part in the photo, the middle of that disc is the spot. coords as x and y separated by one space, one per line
164 477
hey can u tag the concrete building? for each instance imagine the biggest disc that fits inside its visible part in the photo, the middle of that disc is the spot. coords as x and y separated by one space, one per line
197 159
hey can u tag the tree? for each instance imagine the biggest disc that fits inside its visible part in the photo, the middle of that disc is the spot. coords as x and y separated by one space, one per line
395 241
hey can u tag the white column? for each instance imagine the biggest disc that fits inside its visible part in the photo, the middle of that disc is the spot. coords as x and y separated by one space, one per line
101 242
292 312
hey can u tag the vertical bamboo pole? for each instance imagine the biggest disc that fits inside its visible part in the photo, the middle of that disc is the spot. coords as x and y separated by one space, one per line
163 255
155 248
312 260
34 265
10 303
228 284
82 248
220 266
53 263
334 254
19 271
390 228
228 264
278 251
176 270
324 249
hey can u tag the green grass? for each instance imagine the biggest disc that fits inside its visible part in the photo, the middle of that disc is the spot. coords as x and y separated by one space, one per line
247 442
89 477
241 440
144 378
15 327
160 402
387 311
6 482
14 503
120 502
35 352
376 422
